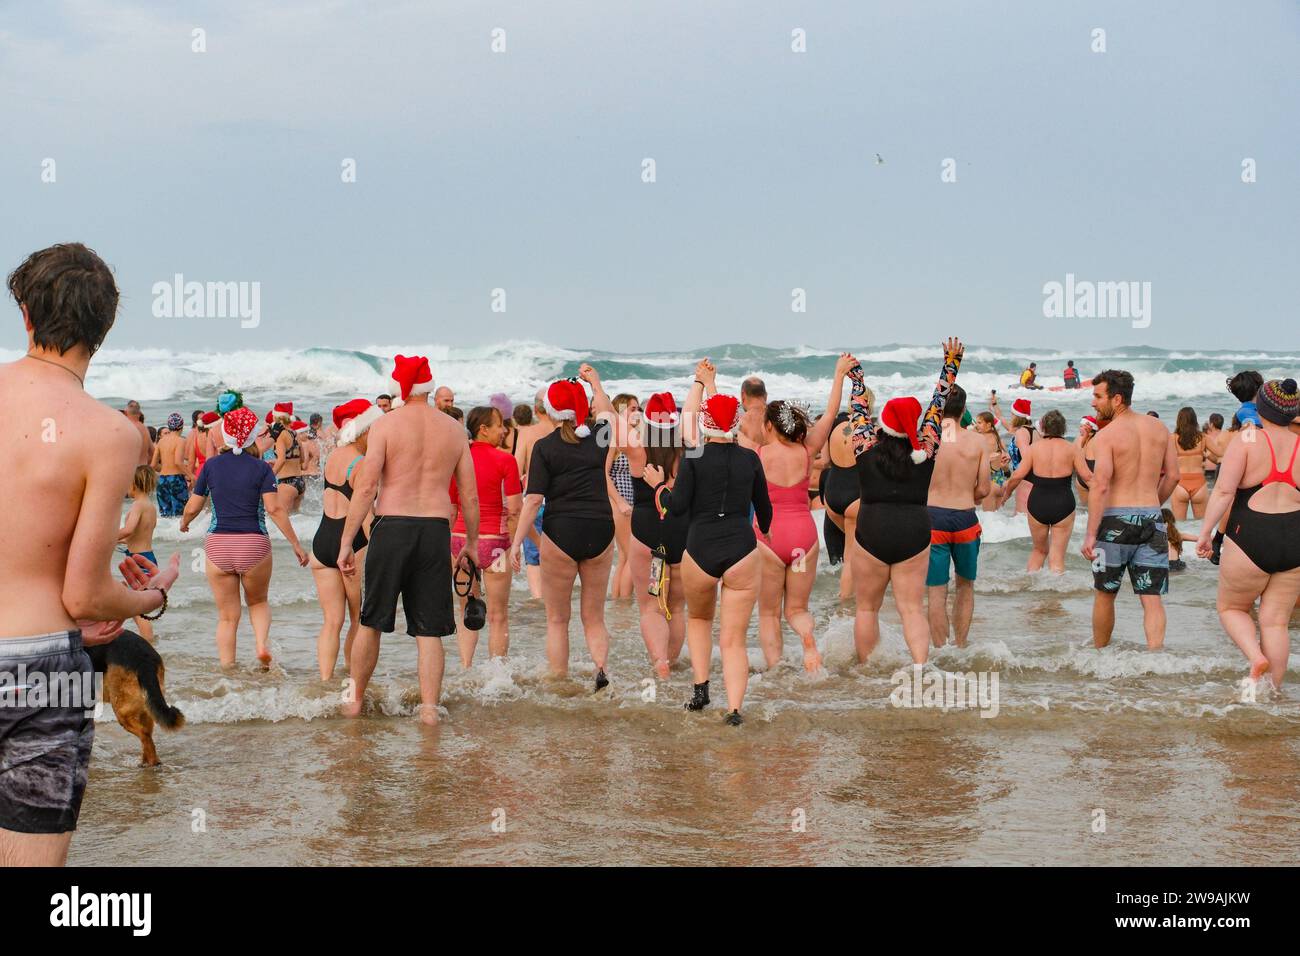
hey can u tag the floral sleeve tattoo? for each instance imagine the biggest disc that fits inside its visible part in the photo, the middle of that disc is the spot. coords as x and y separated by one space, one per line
931 423
860 416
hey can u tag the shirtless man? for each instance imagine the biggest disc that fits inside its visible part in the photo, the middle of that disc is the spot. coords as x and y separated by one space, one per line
136 417
960 479
1136 471
76 457
542 426
175 477
310 441
444 398
413 453
753 399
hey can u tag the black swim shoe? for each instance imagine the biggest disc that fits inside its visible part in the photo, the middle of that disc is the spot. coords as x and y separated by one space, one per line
601 680
700 699
733 719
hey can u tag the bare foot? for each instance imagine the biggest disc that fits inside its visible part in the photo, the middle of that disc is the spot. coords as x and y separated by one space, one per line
264 656
812 658
351 706
661 668
429 714
1259 668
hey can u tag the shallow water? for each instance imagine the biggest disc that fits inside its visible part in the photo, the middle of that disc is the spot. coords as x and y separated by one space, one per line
525 769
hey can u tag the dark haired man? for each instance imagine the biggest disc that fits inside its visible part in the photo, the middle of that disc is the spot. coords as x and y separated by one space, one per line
384 403
1135 472
1244 386
753 399
76 458
961 478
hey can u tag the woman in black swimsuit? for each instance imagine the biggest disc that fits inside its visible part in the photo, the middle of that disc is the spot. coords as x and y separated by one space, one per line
287 463
891 542
1083 465
1049 464
335 590
716 488
656 531
1261 556
567 470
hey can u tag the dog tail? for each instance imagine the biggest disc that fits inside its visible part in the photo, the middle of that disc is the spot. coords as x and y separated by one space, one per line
151 683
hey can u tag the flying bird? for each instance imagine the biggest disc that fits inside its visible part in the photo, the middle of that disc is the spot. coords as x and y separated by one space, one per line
880 160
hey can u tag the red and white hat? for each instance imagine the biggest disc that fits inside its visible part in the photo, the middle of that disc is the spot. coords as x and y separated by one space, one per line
1089 421
566 401
209 419
660 411
237 429
412 375
899 418
720 416
353 418
281 410
298 425
1021 407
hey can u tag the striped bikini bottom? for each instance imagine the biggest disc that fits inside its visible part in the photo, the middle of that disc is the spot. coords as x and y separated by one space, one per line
236 553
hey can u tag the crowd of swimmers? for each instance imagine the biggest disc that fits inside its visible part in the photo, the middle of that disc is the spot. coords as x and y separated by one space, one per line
707 502
704 512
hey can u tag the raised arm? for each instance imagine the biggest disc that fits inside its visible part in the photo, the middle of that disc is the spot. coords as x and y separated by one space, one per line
705 377
931 431
600 403
817 435
860 412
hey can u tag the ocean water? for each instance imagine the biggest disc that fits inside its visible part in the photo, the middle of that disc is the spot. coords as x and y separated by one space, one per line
1116 756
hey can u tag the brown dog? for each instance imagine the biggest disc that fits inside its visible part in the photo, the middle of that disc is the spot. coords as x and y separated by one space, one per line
133 684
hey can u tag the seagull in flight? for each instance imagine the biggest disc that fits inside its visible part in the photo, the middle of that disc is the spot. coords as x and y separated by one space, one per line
880 160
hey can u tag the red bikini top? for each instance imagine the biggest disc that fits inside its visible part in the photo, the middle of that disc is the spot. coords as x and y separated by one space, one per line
1280 475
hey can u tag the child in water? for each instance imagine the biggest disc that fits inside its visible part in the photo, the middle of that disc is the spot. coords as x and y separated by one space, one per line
1176 562
137 528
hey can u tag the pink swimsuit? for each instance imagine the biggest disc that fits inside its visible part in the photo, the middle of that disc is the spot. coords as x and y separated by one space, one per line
793 532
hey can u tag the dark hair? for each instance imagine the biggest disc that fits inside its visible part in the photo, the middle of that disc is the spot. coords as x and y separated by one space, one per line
194 418
663 449
479 416
1070 363
1153 414
955 405
1117 382
1033 365
456 413
70 296
380 398
153 434
1216 420
1054 424
788 419
1172 533
753 387
315 419
1187 428
523 414
895 456
1246 385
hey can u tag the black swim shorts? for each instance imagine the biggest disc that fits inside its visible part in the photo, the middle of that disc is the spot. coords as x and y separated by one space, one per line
47 727
410 558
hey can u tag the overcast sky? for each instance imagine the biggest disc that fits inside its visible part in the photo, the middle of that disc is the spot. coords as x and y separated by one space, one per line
522 170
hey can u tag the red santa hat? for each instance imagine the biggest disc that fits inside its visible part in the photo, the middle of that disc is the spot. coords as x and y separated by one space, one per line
353 418
237 429
298 425
566 401
1089 421
412 375
660 411
720 416
898 418
209 419
1021 407
281 410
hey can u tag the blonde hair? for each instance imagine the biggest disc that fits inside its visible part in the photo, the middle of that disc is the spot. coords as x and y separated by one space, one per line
144 480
